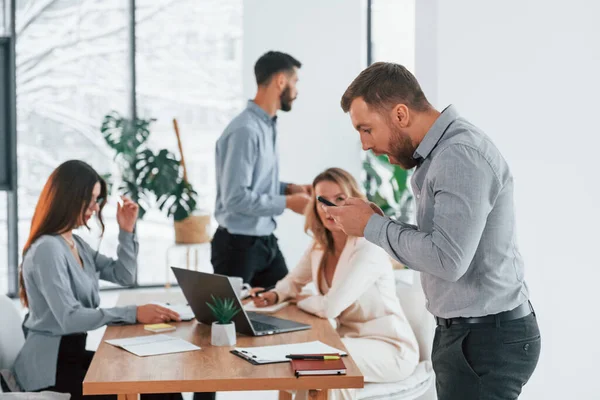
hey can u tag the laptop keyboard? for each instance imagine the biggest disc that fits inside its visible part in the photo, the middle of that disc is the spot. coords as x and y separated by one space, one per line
262 327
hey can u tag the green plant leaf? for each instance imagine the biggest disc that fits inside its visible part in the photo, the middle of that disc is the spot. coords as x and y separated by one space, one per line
124 135
386 185
108 178
223 309
137 194
180 203
148 178
157 172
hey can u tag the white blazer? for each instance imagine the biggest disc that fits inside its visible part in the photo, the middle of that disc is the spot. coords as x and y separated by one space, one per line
362 297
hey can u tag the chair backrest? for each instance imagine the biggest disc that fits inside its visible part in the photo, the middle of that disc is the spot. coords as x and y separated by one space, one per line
11 333
412 299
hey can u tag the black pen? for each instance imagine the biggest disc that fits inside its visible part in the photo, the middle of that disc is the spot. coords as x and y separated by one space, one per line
259 292
312 357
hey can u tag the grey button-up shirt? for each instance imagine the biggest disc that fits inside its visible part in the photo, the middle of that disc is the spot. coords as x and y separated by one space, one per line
64 300
249 193
465 239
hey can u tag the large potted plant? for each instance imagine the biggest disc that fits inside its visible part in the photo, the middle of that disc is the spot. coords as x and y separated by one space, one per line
223 329
150 178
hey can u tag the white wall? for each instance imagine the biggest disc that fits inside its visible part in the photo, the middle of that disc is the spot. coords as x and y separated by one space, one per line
329 39
528 73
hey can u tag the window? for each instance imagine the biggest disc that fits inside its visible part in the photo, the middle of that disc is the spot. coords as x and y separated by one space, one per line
4 278
190 69
393 31
73 67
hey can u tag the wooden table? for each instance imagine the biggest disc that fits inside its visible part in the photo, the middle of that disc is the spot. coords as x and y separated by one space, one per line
212 369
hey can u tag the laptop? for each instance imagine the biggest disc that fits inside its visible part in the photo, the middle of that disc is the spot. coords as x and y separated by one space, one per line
198 287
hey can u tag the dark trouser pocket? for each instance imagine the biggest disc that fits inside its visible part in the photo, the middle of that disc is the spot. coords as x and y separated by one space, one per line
455 377
484 361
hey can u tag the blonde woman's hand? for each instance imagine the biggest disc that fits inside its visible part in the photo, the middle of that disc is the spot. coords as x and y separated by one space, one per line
265 299
127 214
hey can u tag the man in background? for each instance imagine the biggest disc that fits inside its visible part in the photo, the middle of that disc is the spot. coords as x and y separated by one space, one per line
249 193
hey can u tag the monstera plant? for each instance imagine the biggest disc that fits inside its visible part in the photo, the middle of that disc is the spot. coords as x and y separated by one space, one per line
387 185
149 178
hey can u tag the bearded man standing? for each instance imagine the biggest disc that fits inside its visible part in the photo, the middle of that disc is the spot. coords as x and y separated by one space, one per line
249 193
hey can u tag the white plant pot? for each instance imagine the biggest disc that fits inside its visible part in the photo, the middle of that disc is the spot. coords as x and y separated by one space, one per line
222 335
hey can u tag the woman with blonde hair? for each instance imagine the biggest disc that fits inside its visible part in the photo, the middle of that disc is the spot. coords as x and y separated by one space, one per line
356 287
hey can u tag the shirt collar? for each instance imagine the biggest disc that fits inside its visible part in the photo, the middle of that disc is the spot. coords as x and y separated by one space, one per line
435 133
262 114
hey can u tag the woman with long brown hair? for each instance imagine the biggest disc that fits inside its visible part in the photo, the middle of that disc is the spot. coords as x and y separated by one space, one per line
356 287
60 277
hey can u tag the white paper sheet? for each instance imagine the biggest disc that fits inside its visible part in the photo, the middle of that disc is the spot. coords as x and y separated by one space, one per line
153 345
265 310
274 354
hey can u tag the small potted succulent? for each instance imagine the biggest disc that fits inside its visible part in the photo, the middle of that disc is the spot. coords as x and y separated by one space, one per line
223 329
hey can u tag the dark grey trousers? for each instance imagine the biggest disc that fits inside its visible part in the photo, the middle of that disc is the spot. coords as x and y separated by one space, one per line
485 361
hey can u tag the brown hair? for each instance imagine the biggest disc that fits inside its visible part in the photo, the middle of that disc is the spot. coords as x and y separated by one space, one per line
384 85
322 236
272 63
66 196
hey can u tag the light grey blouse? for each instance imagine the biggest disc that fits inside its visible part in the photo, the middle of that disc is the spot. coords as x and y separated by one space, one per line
64 299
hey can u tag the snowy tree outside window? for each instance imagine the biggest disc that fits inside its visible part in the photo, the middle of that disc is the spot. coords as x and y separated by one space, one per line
73 68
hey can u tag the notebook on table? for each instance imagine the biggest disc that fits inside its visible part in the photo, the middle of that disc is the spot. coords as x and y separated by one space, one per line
318 367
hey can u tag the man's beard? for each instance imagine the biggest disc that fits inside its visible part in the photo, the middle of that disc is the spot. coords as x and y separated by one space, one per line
402 149
286 99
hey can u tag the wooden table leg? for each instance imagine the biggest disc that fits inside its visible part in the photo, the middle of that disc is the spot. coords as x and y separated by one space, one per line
129 397
284 395
316 395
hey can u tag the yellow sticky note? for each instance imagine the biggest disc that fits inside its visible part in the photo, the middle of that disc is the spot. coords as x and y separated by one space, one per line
159 327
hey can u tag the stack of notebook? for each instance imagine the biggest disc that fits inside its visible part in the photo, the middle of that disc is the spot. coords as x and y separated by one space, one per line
317 364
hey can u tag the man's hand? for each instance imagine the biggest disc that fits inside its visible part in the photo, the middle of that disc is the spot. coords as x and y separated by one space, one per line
352 217
376 208
292 188
297 202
